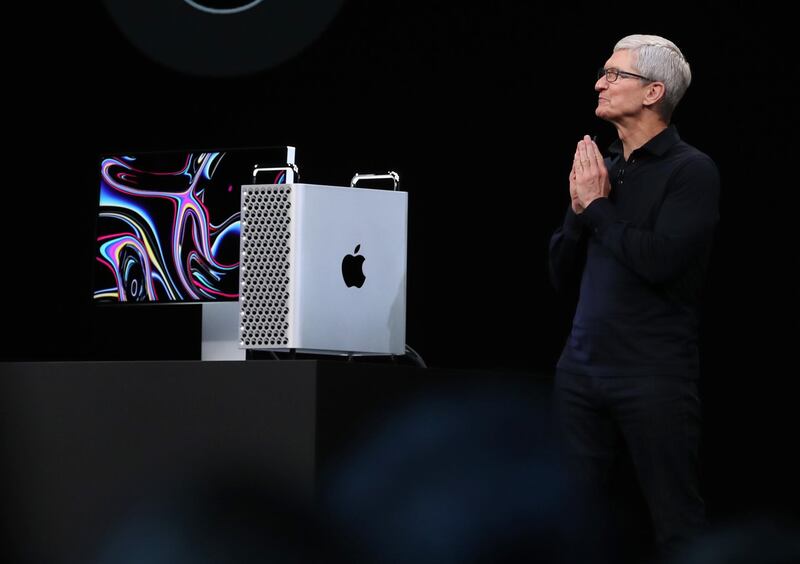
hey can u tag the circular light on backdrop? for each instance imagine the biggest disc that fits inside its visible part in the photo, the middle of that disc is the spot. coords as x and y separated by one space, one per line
222 6
222 37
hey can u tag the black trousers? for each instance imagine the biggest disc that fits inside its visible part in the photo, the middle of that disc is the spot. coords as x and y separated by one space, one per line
658 418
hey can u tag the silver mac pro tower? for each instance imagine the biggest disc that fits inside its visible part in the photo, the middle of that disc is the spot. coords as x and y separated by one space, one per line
323 269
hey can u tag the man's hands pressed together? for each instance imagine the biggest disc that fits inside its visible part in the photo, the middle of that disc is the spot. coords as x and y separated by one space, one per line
588 179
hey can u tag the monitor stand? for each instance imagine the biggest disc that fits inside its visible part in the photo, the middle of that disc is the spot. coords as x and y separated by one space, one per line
221 332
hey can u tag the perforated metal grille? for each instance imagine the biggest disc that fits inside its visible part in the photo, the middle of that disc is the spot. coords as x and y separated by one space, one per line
264 269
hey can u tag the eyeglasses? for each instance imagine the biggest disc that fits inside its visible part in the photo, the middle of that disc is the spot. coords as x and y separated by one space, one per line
613 74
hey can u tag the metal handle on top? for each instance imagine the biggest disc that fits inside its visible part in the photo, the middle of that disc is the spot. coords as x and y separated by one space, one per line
393 176
287 168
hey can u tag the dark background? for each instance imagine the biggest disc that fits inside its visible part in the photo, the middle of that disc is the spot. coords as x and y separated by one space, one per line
478 107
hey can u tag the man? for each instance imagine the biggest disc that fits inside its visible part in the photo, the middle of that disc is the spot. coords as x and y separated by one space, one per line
636 239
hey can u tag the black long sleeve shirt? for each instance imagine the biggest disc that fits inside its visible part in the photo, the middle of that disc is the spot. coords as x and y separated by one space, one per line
640 257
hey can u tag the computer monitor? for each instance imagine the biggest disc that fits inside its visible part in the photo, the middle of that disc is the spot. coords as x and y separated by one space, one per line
168 223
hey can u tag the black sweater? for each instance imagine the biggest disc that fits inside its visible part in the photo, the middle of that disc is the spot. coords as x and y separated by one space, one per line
640 256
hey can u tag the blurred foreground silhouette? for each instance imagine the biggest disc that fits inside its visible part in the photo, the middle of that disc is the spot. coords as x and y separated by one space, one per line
470 476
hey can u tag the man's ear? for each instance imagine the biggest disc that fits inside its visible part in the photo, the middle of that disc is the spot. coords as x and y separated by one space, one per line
655 92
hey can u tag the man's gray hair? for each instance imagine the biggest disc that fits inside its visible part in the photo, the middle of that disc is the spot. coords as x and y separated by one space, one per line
660 59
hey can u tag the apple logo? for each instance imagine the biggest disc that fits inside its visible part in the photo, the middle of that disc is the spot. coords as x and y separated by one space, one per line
352 269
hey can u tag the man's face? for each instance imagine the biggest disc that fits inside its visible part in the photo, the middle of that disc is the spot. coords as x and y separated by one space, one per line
623 97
